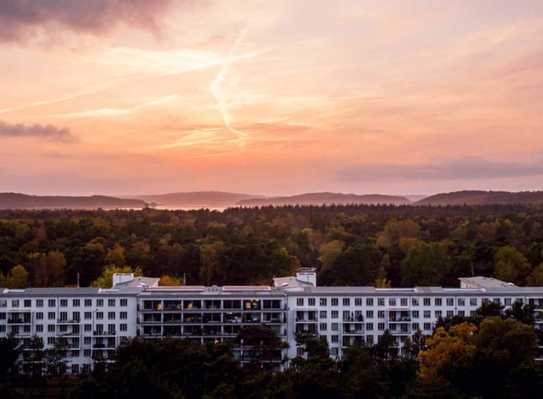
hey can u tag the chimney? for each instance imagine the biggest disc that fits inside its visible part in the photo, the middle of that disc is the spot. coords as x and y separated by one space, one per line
120 278
307 275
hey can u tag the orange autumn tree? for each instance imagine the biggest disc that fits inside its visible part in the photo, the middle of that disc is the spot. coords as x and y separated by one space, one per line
447 351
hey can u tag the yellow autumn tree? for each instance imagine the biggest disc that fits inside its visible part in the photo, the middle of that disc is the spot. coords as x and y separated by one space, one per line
445 351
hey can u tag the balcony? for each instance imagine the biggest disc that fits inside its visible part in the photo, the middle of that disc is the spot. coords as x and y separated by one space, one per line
104 333
62 321
19 320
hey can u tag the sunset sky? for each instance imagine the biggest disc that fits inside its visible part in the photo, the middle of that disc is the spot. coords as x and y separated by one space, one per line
270 97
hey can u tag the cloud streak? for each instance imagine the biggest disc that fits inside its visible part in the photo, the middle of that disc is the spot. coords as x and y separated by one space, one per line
47 132
23 19
460 169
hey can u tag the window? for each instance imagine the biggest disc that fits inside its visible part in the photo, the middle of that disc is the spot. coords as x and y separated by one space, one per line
63 303
51 328
300 301
369 314
427 326
124 327
335 301
88 303
380 301
50 340
335 326
462 313
99 315
369 326
87 353
323 326
88 315
450 301
357 301
39 316
450 313
2 316
3 303
51 303
369 301
39 328
507 302
415 326
27 303
63 316
381 326
426 301
124 315
437 314
381 314
438 301
111 302
75 368
427 314
335 314
14 303
323 314
473 301
76 303
369 339
461 302
2 328
403 301
311 301
87 340
111 315
322 301
51 315
346 301
392 301
88 327
335 339
100 303
415 301
346 315
75 316
124 302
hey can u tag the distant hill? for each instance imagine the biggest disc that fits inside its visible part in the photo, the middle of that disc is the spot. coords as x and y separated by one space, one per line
23 201
483 198
196 199
326 199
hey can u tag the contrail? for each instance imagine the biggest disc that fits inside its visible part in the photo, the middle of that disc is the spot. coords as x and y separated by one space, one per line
215 88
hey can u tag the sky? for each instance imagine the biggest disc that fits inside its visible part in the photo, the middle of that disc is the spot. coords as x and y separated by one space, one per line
274 97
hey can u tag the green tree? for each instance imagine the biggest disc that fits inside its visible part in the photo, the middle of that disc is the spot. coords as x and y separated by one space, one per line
511 265
424 264
536 276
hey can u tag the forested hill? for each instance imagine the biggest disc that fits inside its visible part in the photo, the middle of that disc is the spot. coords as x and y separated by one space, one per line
23 201
483 198
327 199
196 199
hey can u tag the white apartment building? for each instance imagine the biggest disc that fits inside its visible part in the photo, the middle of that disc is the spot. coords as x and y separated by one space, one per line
93 322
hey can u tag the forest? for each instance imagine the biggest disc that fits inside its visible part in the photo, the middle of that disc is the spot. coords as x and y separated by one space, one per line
358 245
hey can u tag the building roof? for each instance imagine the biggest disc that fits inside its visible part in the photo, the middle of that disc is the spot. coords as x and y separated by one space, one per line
69 292
140 282
485 282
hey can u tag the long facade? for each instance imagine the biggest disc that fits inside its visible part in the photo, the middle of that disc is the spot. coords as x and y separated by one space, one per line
92 322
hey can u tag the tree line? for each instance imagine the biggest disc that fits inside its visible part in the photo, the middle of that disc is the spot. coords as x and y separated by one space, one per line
350 245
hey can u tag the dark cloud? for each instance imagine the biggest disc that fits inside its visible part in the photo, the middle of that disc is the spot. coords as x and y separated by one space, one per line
466 169
48 132
22 19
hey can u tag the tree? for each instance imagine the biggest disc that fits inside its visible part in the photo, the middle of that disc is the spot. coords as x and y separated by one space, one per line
105 280
521 312
17 277
448 357
536 276
55 358
169 281
115 256
48 269
395 230
329 252
424 264
357 265
511 265
9 353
